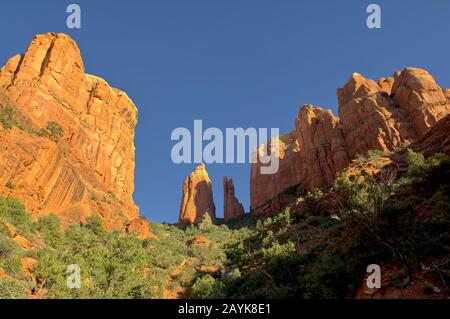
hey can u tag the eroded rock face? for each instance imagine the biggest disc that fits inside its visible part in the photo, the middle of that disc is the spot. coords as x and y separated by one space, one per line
197 197
371 119
232 208
436 139
381 115
90 171
323 150
139 228
267 192
416 91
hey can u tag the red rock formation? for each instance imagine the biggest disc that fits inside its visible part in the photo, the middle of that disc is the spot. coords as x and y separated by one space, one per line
90 171
139 227
323 150
373 115
263 188
436 139
416 91
197 197
232 208
447 94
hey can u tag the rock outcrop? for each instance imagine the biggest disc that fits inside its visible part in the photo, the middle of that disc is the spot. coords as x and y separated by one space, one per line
139 228
197 197
435 140
90 170
232 208
381 115
269 190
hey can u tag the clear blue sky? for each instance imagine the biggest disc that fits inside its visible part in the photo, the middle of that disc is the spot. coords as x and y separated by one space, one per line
231 63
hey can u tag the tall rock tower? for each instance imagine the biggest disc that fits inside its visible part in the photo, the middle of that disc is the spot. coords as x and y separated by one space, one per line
197 198
232 208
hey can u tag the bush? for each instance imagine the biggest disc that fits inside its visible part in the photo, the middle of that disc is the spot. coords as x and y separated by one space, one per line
112 265
278 250
13 289
374 154
387 219
53 131
7 117
7 248
206 287
10 185
50 227
206 222
425 173
95 224
326 279
9 256
233 275
284 218
312 200
12 211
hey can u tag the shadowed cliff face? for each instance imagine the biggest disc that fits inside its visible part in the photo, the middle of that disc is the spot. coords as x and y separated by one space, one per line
373 115
232 208
90 170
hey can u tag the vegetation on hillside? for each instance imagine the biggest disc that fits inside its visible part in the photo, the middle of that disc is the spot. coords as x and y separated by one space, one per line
303 252
9 119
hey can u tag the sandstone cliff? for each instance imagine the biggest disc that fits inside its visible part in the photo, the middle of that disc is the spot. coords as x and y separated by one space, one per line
90 170
373 115
197 197
232 208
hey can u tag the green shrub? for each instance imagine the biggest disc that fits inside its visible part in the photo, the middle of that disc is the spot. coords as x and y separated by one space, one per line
284 218
7 248
206 222
312 200
343 184
278 250
95 224
374 154
315 221
106 200
9 256
206 287
326 279
233 275
383 216
13 211
10 185
13 289
49 226
53 131
7 117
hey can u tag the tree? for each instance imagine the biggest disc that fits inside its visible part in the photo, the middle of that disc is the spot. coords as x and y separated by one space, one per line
55 131
206 222
7 117
207 287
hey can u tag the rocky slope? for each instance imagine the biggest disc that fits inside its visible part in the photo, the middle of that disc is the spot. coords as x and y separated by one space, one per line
373 115
90 169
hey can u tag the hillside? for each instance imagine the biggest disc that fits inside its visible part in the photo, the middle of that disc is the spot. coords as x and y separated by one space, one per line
318 247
